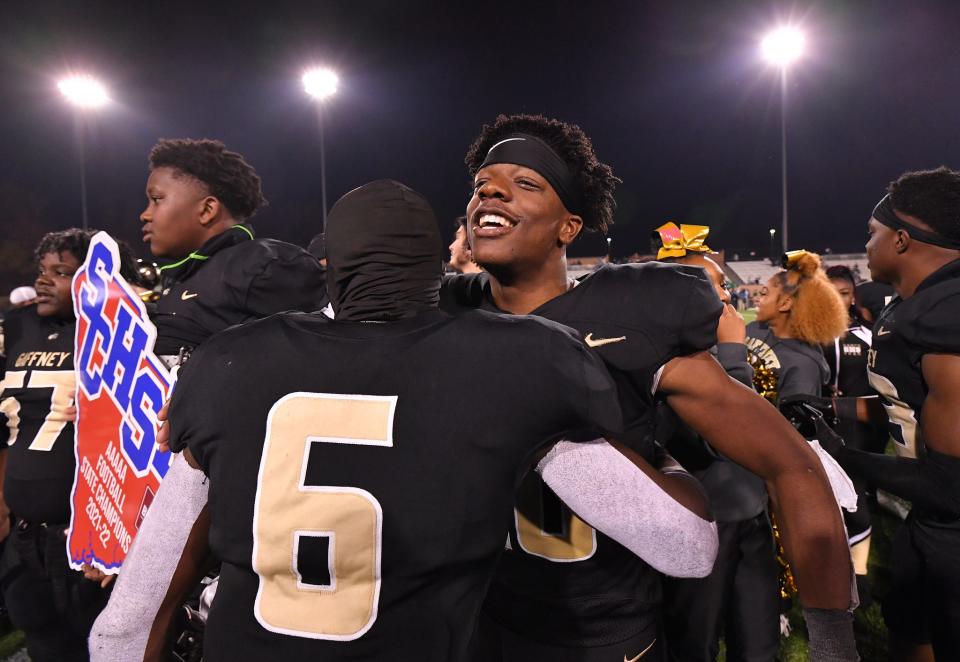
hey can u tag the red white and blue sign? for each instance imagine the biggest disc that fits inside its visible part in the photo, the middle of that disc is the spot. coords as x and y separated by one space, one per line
121 386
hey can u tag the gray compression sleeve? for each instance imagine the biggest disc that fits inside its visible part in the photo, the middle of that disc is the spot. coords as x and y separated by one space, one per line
614 496
122 629
831 635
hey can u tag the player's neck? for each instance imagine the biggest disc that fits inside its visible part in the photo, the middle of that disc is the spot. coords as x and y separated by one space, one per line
521 293
916 271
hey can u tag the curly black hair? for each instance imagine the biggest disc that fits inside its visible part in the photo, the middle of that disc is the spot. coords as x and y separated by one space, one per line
596 179
226 175
933 196
77 242
841 272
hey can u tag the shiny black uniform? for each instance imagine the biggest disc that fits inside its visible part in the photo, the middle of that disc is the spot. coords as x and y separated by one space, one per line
444 482
53 604
231 279
924 602
638 317
40 458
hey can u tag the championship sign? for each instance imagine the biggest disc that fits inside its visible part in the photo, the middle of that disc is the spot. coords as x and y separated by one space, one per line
121 385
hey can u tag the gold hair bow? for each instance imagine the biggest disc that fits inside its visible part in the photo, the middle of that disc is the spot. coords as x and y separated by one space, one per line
791 258
678 241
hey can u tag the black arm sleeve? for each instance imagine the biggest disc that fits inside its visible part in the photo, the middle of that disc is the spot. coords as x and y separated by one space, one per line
287 282
931 482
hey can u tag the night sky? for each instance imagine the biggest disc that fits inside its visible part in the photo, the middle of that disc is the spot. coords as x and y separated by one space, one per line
674 95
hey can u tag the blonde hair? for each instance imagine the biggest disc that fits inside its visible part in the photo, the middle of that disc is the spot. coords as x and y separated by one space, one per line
818 315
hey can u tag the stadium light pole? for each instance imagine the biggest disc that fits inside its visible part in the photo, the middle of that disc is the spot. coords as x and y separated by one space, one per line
85 93
782 47
321 83
773 247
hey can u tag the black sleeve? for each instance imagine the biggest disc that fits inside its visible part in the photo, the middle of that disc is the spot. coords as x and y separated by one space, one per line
587 386
936 328
196 397
697 330
931 481
287 282
733 358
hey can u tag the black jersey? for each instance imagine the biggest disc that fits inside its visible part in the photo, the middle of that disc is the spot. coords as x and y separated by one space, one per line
561 582
359 494
925 323
231 279
37 388
847 359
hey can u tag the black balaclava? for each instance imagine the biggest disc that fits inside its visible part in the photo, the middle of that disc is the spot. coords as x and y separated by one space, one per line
384 253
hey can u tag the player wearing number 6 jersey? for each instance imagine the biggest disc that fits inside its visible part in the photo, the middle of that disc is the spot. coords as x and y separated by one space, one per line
53 604
358 503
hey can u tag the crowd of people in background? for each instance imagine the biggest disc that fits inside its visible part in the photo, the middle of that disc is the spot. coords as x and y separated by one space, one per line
665 476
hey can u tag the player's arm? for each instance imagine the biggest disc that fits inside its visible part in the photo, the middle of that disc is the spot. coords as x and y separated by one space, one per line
745 428
659 515
940 418
932 481
286 282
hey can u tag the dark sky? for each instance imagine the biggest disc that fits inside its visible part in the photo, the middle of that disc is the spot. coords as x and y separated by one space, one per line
673 94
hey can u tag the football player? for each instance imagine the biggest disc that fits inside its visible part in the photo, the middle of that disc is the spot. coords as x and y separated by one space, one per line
914 365
200 197
537 184
54 605
359 503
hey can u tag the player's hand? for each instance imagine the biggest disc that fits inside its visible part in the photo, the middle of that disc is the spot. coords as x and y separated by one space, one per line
731 327
95 575
829 440
163 435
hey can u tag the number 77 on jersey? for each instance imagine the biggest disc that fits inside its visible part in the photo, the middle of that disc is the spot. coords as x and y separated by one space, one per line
121 385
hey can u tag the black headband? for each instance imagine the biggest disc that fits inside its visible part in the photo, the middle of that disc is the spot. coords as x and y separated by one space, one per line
530 152
885 213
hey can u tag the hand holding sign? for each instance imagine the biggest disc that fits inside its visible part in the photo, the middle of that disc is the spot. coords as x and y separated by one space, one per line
163 434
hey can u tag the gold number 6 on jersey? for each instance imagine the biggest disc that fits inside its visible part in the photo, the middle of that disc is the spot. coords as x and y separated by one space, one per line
344 605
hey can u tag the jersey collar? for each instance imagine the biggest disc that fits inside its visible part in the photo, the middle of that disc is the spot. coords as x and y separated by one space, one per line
181 269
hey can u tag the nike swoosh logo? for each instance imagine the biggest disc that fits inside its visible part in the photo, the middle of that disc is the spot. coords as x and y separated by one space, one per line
598 342
642 653
186 295
882 332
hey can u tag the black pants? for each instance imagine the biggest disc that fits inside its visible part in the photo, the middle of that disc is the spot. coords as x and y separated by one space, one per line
739 599
53 605
493 643
923 605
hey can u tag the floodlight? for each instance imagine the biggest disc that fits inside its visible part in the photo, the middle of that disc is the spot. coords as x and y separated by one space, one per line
84 91
782 46
320 83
